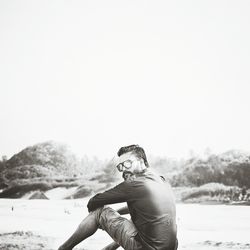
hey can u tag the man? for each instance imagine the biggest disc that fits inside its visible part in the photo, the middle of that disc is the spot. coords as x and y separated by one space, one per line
150 203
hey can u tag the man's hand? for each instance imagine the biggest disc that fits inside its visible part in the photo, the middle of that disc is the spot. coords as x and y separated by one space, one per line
123 210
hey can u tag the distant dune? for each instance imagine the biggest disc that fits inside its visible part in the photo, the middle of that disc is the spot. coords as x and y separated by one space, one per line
52 169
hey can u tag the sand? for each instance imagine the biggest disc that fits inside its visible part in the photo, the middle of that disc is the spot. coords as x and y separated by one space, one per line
45 224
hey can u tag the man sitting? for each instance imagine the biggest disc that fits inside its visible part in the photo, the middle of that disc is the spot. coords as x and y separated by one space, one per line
150 203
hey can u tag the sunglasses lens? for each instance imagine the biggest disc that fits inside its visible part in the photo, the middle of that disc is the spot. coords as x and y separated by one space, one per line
127 164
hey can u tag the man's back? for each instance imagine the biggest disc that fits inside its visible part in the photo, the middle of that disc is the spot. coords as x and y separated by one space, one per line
152 208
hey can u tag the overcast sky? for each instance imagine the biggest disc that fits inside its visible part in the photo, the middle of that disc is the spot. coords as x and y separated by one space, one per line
172 76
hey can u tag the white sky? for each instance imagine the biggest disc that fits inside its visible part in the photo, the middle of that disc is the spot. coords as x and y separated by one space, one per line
172 76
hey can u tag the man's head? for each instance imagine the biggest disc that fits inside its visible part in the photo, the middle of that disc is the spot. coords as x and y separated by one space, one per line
132 159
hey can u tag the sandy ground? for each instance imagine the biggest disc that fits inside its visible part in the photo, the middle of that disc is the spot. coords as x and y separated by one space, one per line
45 224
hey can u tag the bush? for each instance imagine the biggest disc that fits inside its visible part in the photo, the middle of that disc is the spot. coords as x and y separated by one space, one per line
212 190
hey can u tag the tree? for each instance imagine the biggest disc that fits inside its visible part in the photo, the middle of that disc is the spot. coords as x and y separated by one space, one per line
3 162
4 158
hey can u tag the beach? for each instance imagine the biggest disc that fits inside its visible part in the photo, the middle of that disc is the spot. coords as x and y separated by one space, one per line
45 224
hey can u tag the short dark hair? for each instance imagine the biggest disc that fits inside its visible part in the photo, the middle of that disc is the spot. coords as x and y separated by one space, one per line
137 150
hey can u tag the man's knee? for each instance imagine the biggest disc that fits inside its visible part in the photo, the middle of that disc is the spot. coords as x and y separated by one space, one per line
102 215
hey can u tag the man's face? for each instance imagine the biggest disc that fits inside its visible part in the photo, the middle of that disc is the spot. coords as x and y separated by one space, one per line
130 163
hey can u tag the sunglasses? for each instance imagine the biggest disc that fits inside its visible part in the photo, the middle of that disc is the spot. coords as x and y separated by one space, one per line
126 164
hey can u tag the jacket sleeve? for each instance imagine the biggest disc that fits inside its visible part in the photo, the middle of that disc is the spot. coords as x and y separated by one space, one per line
119 193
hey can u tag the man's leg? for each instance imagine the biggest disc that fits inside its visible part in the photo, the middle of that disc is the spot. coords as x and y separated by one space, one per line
121 230
86 228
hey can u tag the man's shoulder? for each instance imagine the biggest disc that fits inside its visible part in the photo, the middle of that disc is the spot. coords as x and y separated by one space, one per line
150 174
123 185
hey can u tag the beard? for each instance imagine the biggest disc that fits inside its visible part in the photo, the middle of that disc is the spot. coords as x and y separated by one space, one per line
128 176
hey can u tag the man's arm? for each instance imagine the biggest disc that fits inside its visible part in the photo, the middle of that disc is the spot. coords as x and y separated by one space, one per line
118 194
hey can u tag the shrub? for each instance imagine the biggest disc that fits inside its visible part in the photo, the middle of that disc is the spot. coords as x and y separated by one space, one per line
211 189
